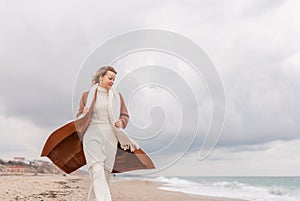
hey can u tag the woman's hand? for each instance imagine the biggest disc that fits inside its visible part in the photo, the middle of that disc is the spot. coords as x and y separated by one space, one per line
85 110
119 124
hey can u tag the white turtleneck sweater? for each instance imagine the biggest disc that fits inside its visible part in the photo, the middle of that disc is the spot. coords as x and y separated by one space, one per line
99 141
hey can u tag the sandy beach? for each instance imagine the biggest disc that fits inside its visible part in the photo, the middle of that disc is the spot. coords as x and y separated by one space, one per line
46 187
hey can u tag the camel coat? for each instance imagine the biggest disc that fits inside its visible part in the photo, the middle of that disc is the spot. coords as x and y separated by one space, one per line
64 148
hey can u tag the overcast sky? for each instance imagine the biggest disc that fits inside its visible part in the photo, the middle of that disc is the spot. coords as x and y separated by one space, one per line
254 45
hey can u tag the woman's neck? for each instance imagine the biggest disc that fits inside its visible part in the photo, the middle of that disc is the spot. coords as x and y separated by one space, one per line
102 88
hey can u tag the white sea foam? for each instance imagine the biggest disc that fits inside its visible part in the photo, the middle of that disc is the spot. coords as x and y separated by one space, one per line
230 189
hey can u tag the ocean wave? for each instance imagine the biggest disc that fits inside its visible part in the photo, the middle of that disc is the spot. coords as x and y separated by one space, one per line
276 190
230 189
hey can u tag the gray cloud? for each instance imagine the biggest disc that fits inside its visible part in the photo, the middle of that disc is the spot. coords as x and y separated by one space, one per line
254 44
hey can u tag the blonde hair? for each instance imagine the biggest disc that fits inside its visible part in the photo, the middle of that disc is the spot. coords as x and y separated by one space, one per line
101 72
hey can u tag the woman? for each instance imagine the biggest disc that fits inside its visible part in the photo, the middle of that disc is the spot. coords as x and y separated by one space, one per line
102 135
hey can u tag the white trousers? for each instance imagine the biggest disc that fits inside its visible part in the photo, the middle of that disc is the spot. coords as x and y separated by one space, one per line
99 190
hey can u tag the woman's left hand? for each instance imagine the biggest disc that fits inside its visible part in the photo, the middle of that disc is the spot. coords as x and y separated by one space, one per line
119 124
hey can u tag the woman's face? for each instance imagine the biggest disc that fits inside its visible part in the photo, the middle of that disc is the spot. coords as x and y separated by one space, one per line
107 80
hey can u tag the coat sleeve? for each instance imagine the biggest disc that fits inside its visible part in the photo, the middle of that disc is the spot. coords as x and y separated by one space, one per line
124 116
82 103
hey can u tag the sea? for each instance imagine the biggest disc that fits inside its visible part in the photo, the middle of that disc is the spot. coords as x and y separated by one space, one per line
245 188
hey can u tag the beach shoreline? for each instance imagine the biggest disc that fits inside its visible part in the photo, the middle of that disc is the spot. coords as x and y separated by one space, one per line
150 190
50 187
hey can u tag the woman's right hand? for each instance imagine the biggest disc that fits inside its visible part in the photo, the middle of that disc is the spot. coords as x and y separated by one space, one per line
85 110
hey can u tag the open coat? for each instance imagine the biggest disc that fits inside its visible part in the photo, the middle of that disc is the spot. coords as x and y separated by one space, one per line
64 147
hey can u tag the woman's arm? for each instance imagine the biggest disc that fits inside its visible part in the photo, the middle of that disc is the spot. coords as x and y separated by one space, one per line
82 107
124 116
